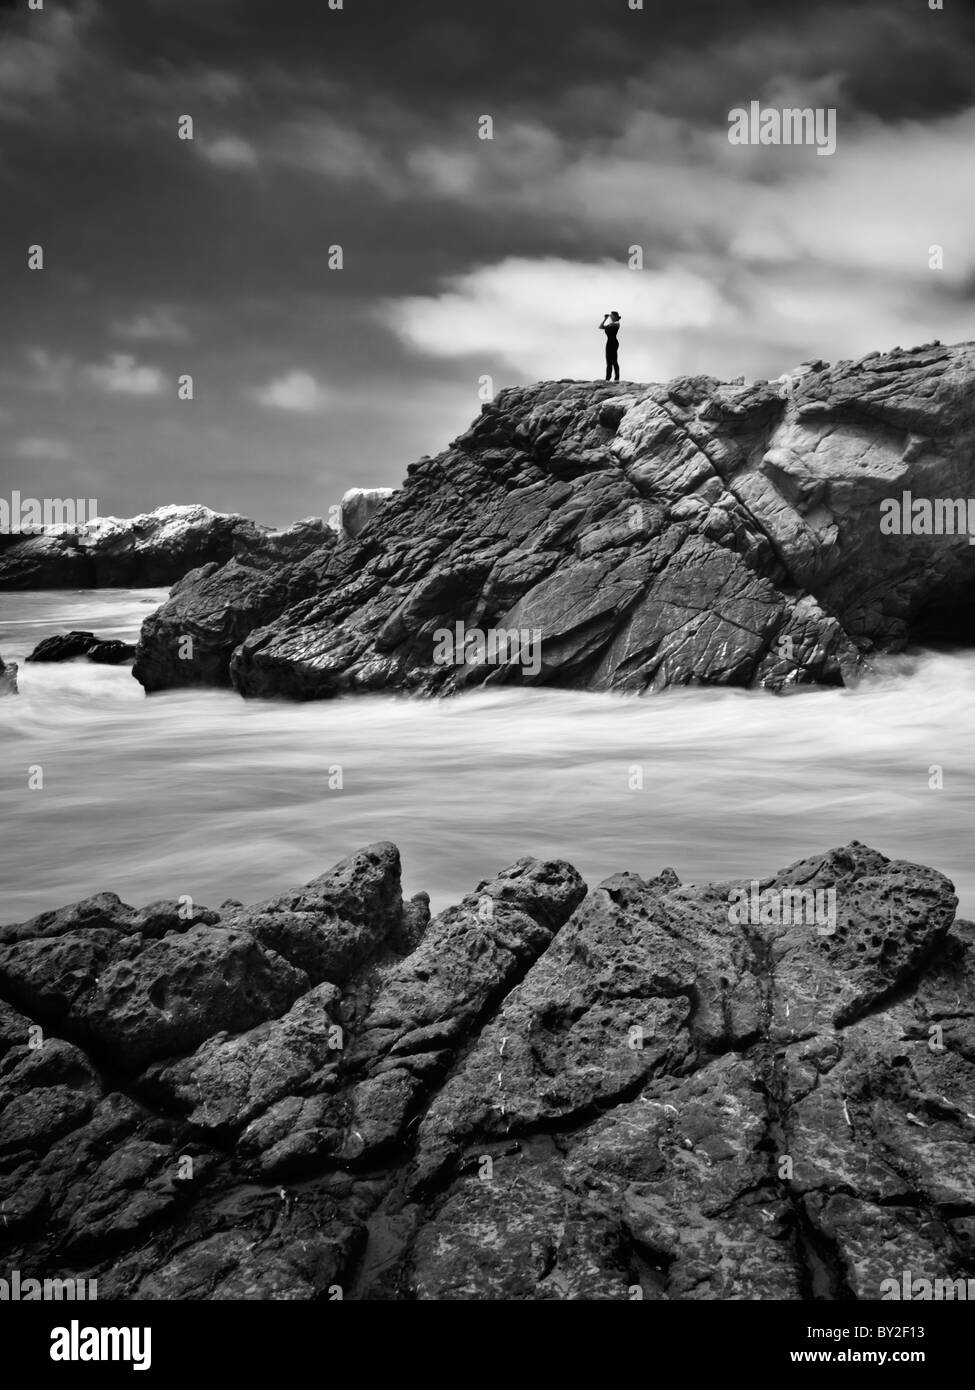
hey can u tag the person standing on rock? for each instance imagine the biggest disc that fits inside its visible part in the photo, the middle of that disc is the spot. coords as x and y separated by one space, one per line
611 327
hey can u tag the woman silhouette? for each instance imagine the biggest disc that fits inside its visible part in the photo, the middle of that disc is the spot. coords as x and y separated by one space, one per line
611 327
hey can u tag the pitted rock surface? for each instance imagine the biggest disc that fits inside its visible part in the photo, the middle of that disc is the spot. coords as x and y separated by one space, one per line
543 1093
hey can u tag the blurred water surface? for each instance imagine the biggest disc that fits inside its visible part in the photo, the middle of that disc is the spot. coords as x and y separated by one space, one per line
207 794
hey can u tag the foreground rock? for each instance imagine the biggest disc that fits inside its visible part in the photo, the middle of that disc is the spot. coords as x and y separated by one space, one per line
8 677
628 537
66 646
146 551
544 1093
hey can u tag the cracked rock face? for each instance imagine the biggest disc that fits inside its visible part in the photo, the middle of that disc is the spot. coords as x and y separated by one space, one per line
747 1090
650 535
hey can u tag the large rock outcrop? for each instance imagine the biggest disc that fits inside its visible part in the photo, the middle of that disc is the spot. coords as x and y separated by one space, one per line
635 537
645 1090
139 552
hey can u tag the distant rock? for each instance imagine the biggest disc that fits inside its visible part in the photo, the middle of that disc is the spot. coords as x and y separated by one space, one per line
69 645
64 646
8 677
147 551
545 1093
651 536
360 505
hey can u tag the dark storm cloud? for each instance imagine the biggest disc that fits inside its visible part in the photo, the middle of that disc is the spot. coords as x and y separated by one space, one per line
900 58
431 52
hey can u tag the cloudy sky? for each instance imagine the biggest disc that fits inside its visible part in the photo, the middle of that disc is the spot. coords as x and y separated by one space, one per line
463 257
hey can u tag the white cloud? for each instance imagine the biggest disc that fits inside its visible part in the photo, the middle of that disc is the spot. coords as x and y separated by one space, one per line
875 206
221 85
295 391
538 319
542 316
49 371
35 61
756 257
123 375
334 152
229 152
47 449
156 325
57 373
445 173
888 192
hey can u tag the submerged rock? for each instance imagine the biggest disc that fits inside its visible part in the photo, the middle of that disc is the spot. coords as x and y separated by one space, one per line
64 646
745 1090
625 537
69 645
111 652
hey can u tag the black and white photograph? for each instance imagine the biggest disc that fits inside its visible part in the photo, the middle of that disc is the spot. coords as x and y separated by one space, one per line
487 656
